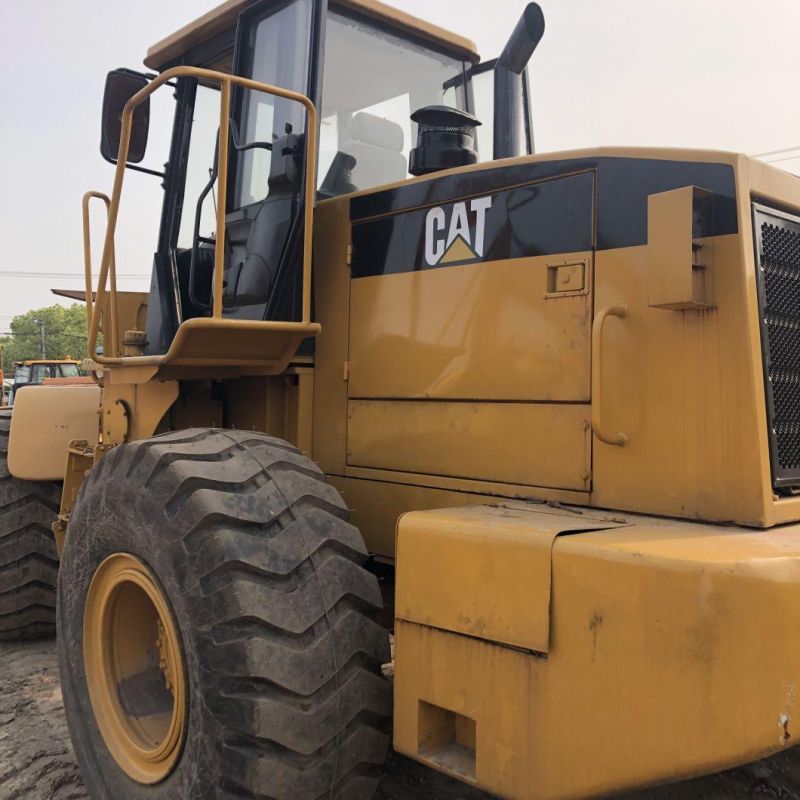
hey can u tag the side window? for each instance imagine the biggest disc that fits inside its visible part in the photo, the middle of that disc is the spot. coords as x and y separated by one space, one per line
328 144
481 88
280 55
257 162
22 375
200 163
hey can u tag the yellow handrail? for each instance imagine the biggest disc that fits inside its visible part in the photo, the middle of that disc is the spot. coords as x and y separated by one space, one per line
87 266
225 81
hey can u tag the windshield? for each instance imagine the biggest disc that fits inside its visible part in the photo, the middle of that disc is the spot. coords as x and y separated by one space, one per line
373 82
41 371
69 371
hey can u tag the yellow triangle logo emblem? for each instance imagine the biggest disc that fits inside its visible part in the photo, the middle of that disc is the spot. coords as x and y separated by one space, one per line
459 251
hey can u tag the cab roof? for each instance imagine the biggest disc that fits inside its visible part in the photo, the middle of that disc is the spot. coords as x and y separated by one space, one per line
223 18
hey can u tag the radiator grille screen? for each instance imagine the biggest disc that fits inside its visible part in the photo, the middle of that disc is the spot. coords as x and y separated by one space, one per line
778 263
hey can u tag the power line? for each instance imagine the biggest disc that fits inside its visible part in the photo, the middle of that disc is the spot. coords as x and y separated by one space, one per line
777 152
786 158
56 331
81 336
13 273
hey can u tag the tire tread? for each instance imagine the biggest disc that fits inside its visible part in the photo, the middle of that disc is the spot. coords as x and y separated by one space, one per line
28 557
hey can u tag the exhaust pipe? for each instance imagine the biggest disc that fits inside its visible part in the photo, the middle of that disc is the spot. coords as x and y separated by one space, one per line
509 127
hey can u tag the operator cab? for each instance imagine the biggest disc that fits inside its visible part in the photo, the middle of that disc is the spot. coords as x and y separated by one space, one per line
35 373
368 69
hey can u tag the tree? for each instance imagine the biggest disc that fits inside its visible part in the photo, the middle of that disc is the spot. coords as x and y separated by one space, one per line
64 335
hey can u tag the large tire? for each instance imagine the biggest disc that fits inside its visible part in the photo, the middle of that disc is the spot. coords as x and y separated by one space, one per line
28 556
266 585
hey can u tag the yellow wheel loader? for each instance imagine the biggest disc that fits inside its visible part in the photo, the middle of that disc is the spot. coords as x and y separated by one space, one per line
552 400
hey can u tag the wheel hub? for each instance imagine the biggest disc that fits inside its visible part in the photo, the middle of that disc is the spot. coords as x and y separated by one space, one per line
134 669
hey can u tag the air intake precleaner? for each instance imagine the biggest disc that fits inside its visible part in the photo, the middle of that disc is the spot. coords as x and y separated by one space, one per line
445 139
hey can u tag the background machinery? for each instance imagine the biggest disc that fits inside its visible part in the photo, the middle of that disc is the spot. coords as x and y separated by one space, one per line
28 508
558 394
40 372
28 556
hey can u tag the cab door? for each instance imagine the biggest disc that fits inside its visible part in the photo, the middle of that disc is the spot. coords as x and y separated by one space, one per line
278 42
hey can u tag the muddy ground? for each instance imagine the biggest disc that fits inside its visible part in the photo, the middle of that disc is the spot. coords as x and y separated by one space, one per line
37 763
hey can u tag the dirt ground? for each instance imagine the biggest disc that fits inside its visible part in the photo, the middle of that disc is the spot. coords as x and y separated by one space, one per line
37 763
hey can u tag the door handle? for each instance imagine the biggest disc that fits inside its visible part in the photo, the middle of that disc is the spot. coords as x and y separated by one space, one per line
618 439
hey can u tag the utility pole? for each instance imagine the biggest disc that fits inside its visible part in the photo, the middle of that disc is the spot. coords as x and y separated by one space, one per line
42 349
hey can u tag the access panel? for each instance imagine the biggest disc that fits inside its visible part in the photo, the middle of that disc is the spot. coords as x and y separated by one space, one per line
473 318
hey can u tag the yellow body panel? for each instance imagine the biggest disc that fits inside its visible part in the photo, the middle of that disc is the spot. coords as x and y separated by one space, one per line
684 383
680 385
45 420
485 683
671 643
490 331
281 405
502 559
378 497
331 302
513 443
676 280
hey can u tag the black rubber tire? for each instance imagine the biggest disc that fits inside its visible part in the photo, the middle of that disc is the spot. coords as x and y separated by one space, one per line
266 582
28 556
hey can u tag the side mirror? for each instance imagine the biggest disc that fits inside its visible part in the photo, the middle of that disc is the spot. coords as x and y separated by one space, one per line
121 85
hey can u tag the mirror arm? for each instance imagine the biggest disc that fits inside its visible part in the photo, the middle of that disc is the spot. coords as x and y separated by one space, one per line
146 171
137 168
151 76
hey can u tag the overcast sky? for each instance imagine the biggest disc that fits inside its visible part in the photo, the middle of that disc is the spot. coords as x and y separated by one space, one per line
706 73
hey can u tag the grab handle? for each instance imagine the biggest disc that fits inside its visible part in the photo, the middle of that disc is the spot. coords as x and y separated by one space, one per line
617 439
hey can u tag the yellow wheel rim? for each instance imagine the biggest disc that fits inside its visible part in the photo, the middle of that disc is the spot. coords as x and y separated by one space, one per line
134 669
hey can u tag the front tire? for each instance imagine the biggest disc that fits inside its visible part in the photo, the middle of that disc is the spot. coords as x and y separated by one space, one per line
249 549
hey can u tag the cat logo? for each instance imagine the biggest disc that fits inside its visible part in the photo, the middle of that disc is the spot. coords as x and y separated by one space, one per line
460 238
